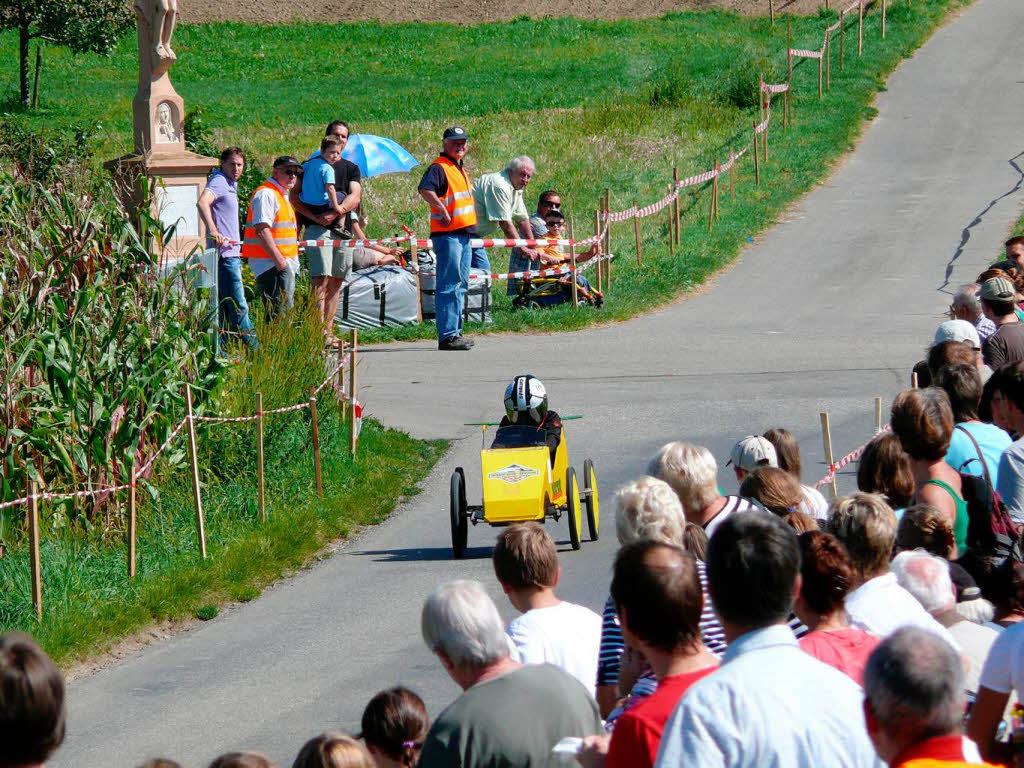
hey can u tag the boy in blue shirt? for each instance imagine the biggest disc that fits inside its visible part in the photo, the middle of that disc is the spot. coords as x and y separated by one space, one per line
318 191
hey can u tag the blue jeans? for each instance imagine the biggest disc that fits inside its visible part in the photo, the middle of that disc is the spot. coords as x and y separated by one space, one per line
234 311
480 260
453 259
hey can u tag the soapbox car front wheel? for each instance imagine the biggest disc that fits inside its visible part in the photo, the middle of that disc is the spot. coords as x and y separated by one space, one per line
459 519
590 499
572 507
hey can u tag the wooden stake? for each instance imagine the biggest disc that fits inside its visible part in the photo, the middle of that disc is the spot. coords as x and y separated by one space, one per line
33 543
883 19
878 415
828 59
913 379
341 379
608 239
671 229
732 168
636 233
764 136
771 10
132 521
261 500
196 494
821 61
842 35
315 426
675 205
789 49
572 261
757 165
352 379
826 439
714 194
860 27
597 232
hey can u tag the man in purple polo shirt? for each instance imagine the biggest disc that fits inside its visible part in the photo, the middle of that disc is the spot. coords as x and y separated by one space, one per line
218 208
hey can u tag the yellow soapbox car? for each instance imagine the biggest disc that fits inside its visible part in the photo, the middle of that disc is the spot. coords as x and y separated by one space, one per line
521 483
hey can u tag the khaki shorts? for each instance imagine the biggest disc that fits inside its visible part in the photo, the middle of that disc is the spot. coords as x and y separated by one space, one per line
327 261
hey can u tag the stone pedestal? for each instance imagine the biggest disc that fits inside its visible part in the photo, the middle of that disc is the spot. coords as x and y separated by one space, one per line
160 169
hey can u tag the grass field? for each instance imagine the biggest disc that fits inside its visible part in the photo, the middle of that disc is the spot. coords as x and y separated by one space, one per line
597 104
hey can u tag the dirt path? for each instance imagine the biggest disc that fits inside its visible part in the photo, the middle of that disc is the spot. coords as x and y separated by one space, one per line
462 11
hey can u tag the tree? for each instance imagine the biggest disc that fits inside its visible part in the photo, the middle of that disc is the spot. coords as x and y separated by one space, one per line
92 26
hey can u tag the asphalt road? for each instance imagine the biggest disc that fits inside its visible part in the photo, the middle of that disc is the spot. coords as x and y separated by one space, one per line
826 311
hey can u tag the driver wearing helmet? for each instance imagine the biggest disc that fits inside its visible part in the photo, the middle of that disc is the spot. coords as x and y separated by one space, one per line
526 404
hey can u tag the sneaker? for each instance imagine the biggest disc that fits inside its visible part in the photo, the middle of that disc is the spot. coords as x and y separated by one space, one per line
455 343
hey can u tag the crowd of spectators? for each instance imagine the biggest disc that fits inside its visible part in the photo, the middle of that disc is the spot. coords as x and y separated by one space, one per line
766 628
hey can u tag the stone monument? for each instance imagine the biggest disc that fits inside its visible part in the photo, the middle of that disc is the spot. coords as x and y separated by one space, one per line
161 168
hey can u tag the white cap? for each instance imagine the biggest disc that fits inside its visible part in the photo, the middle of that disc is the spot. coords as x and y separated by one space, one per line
958 330
753 452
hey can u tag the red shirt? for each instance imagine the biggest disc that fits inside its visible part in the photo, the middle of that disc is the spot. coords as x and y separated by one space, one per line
638 730
933 753
845 649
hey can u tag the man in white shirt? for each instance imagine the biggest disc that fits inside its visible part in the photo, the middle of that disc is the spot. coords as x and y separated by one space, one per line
769 704
550 630
877 604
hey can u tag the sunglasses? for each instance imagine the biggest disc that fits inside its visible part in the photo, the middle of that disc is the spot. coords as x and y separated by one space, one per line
552 204
291 172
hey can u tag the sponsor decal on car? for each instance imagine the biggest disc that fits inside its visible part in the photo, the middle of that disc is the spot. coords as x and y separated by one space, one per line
513 473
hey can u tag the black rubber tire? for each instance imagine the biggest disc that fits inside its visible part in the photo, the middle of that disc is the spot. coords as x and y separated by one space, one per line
457 514
592 501
572 507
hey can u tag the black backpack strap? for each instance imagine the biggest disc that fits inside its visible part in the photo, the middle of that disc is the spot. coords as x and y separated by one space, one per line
984 465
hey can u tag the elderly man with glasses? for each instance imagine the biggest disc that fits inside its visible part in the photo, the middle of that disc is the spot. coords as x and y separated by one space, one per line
270 241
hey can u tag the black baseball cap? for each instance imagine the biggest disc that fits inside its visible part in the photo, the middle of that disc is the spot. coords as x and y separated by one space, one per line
286 161
455 132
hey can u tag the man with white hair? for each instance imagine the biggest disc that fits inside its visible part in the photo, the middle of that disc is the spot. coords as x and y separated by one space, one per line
509 714
692 473
914 702
967 306
500 208
926 577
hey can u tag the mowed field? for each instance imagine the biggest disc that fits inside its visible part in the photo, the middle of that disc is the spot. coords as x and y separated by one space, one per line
464 11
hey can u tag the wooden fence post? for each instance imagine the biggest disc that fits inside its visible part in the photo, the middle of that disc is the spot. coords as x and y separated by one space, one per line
572 261
913 379
878 415
419 285
608 237
826 439
828 59
261 500
671 233
821 61
764 135
597 233
883 19
757 165
315 427
33 543
132 522
714 195
860 27
636 233
675 204
842 35
789 49
197 496
732 168
352 380
771 11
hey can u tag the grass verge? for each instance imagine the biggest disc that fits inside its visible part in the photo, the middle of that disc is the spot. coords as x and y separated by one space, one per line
89 601
597 104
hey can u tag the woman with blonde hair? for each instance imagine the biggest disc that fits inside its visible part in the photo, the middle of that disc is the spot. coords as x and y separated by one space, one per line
774 489
787 451
333 750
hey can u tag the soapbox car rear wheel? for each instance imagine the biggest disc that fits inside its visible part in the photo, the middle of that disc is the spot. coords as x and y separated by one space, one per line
572 507
590 499
459 519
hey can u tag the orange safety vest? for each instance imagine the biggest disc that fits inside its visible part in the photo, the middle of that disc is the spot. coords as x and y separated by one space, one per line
284 229
458 201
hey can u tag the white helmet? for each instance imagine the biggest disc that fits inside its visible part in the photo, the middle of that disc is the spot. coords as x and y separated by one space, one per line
526 396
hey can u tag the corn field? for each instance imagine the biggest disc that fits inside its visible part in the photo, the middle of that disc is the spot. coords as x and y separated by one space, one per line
95 347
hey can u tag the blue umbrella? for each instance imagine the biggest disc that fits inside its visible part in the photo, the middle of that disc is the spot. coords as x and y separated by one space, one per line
376 155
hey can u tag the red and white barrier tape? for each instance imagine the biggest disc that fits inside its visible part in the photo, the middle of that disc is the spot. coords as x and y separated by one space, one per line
545 272
773 89
849 458
356 242
518 243
806 54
